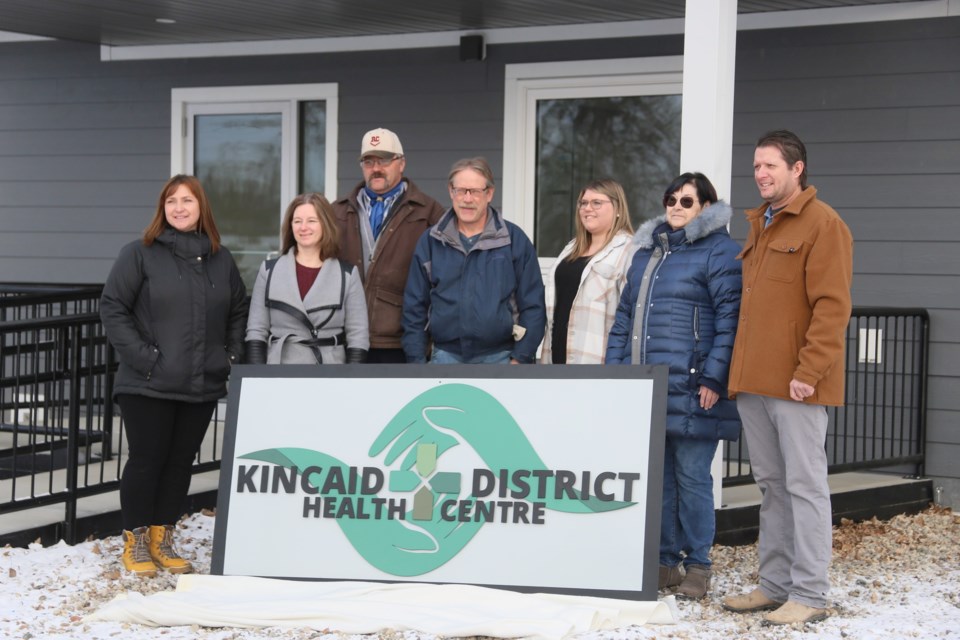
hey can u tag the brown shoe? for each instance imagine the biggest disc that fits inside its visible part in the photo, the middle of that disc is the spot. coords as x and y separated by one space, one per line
747 603
696 583
793 612
669 577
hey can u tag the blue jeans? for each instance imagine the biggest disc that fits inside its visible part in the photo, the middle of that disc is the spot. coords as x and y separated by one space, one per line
448 357
687 523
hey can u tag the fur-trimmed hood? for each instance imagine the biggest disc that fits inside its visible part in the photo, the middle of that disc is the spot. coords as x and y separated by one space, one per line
711 219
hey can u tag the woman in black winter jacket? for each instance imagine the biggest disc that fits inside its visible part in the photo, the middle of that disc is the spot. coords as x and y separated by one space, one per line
679 308
174 308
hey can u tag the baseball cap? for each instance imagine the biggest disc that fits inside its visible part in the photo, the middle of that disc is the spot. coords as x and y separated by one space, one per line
381 142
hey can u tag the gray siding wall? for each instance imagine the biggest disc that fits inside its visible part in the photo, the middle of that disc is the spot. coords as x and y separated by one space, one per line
878 106
85 145
84 148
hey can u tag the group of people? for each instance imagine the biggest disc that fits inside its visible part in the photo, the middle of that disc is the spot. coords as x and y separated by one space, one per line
387 275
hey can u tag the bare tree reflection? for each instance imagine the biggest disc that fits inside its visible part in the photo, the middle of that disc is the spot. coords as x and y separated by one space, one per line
634 140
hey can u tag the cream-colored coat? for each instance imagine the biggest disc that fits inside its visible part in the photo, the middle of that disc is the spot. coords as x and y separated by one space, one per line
596 302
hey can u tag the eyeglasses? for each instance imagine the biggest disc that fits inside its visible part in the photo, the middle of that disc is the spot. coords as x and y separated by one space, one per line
686 202
592 204
370 163
460 193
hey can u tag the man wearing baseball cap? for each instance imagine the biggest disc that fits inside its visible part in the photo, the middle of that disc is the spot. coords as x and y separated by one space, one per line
380 223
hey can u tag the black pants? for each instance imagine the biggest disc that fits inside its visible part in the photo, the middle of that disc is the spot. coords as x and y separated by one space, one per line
163 437
386 356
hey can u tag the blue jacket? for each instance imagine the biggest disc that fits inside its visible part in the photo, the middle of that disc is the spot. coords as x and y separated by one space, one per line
468 302
686 318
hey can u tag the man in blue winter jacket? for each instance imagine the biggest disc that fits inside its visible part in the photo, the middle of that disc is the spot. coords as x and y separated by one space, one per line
474 288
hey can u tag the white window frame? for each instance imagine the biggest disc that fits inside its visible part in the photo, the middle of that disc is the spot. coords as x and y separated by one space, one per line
525 84
257 98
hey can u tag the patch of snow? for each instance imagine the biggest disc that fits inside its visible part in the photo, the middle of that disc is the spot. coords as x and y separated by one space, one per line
890 580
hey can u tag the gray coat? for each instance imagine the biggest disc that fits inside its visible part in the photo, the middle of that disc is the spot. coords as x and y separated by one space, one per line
332 309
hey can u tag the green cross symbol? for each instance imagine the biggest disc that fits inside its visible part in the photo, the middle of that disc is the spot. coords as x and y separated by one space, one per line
424 477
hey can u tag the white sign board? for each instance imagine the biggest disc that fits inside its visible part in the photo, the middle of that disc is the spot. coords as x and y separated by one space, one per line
527 478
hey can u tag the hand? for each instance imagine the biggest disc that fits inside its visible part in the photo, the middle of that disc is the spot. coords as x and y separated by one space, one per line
800 391
514 361
708 397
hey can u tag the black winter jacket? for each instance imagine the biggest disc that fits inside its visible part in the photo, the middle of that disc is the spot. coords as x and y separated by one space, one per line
176 315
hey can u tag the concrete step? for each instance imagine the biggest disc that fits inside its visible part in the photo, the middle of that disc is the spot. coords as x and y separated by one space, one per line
854 496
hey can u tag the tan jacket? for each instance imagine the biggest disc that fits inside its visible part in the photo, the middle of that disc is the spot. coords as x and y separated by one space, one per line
796 302
386 276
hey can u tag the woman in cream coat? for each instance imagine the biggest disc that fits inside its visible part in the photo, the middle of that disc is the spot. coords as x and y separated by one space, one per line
307 307
584 285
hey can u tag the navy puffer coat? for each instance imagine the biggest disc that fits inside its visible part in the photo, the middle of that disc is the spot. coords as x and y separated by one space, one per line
686 318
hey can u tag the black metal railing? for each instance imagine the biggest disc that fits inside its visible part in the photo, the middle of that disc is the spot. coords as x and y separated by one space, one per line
61 438
882 423
33 301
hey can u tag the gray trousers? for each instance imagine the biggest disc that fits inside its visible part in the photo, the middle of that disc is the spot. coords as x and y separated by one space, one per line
786 444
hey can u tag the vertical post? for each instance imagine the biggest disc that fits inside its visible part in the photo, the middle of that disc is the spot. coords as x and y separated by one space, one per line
106 451
706 129
72 359
709 57
921 415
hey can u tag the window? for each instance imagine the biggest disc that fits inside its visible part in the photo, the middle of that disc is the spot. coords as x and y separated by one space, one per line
568 123
254 149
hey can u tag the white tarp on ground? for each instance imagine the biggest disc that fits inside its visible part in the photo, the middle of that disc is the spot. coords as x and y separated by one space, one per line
366 607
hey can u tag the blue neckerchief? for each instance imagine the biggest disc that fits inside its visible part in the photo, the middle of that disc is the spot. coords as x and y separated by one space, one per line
380 204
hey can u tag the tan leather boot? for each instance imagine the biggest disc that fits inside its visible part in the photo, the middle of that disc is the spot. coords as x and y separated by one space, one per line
756 600
696 583
793 612
136 553
163 552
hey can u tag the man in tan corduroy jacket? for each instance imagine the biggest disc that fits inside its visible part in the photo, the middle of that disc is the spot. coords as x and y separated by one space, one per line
788 363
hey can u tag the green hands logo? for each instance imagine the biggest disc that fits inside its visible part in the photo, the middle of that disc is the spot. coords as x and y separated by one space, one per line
441 481
442 521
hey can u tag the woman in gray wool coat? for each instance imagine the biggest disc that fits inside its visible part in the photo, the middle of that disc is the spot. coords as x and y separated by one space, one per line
307 307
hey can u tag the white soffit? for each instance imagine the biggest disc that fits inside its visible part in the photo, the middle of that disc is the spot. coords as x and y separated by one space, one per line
629 29
9 36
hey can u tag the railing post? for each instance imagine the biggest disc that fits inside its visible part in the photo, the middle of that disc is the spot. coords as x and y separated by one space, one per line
107 423
73 435
922 404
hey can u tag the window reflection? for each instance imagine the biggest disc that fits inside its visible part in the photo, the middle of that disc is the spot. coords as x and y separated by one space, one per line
237 158
634 140
313 144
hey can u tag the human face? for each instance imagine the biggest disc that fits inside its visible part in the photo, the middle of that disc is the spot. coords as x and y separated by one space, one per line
383 174
306 227
597 221
777 181
471 210
182 209
677 216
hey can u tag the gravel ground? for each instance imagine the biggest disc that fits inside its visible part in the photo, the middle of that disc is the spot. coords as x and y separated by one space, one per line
891 580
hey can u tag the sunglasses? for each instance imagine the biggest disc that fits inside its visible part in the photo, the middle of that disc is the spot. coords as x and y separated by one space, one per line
686 201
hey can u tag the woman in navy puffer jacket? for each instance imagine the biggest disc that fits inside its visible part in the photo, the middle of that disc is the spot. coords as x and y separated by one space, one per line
680 308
